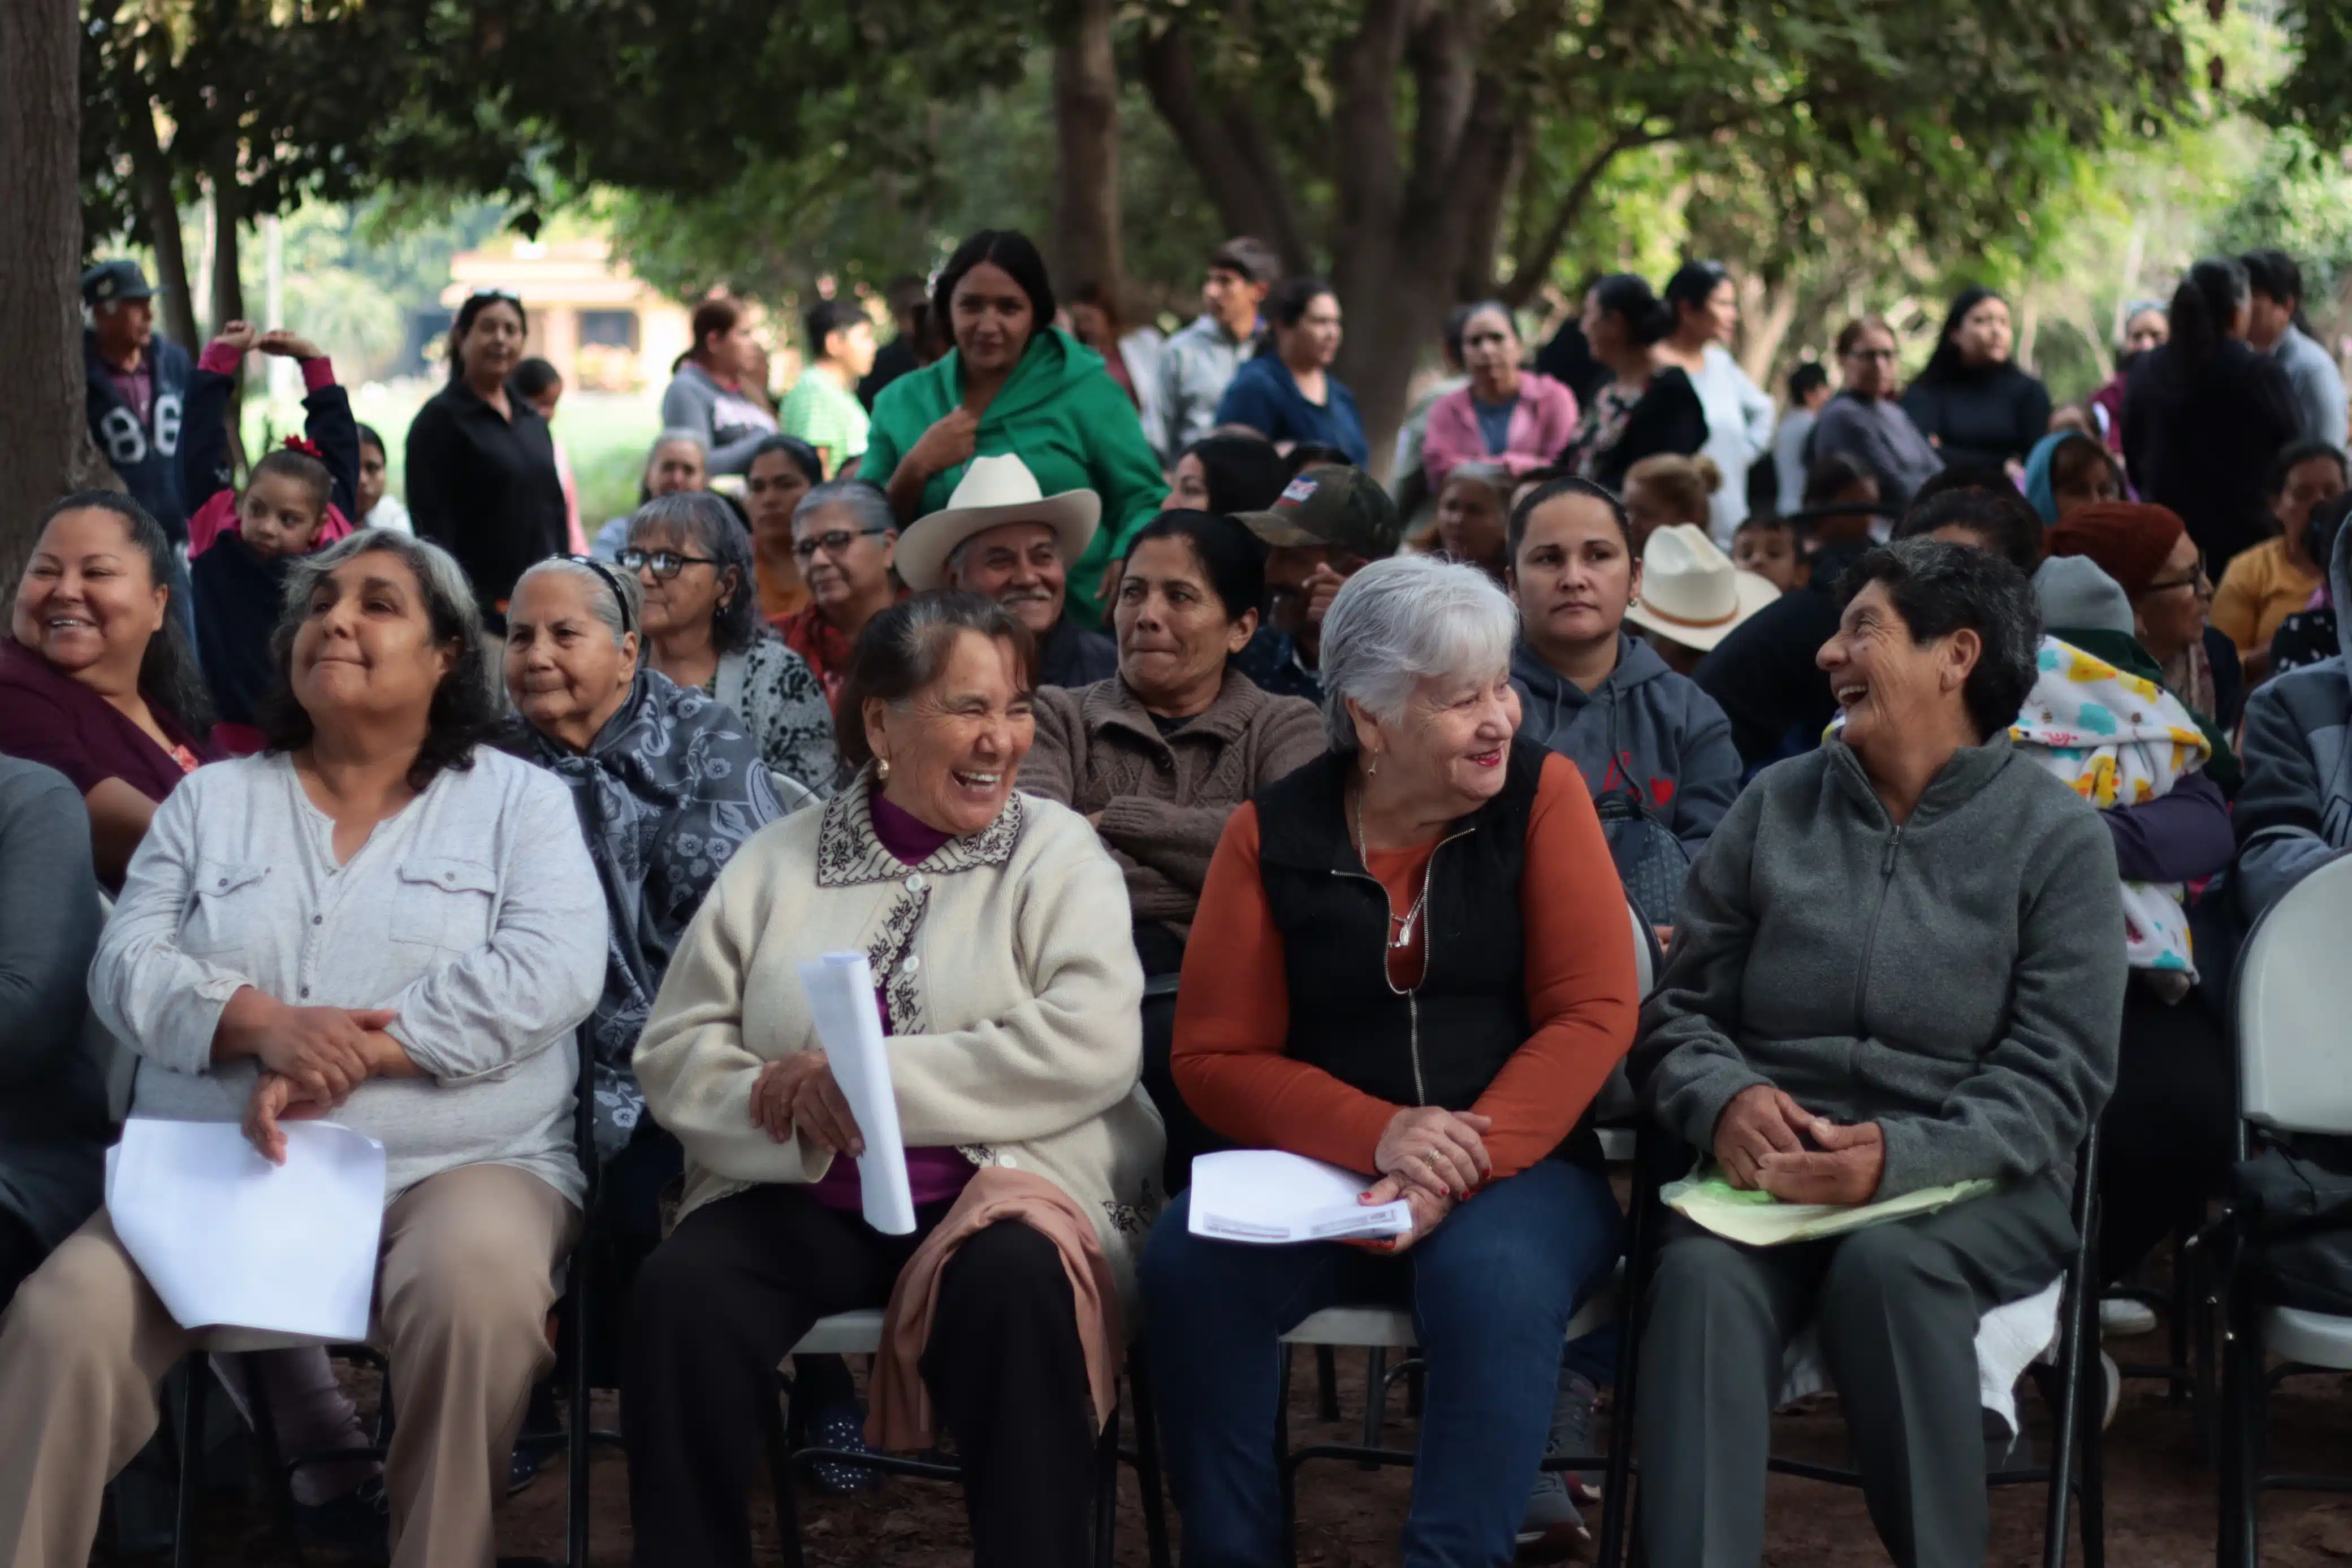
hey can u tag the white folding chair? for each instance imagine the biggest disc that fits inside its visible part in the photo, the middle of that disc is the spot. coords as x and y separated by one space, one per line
2292 1001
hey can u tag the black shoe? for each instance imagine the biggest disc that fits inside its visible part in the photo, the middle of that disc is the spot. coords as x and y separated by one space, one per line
358 1523
841 1427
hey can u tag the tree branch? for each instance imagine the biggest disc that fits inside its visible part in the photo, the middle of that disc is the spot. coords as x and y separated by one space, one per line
1225 144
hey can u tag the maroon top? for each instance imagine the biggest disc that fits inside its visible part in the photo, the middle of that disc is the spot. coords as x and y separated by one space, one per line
934 1176
47 716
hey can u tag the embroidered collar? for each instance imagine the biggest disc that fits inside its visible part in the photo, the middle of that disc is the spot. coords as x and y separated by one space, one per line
848 852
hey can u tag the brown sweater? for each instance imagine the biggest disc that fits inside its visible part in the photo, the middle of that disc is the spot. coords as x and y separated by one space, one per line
1163 800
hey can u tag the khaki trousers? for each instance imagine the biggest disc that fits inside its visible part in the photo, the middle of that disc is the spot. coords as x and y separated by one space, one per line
462 1296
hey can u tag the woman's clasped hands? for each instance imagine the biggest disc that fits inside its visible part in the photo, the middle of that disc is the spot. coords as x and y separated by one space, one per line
311 1060
798 1093
1433 1158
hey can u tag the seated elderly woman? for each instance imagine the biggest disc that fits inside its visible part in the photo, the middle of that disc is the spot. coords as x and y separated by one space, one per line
1895 968
379 918
703 632
668 786
1157 756
996 926
1411 960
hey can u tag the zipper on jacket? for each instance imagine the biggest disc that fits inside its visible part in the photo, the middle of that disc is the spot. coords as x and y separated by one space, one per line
1412 994
1869 932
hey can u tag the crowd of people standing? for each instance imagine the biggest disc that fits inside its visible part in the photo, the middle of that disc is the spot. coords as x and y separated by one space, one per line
1183 785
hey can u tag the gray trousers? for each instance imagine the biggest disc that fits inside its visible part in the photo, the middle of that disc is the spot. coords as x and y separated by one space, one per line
1897 1307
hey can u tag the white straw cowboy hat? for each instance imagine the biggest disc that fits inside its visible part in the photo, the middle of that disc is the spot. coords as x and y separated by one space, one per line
1691 593
993 491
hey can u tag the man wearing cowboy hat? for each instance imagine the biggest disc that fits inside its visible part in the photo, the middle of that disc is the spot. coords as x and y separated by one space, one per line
1692 596
999 535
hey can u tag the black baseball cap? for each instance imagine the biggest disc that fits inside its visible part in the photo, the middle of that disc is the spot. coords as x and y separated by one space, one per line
112 280
1331 507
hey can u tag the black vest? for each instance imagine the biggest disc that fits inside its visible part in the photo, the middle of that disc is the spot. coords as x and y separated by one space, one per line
1443 1043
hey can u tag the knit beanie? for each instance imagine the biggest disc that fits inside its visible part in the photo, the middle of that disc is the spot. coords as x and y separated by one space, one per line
2128 540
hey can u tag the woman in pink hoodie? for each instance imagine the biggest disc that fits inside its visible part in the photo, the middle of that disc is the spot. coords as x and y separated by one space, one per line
1515 417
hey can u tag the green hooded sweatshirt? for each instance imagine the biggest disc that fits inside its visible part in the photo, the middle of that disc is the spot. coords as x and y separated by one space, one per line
1060 413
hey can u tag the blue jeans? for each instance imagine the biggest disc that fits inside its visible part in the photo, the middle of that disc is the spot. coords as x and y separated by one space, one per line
1491 1289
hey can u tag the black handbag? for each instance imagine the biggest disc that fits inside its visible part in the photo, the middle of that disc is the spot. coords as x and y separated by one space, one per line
1650 861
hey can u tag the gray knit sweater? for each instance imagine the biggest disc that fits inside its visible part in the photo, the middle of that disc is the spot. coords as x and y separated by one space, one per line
1957 980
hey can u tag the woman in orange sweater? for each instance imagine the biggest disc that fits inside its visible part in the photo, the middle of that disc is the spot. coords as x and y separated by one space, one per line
1411 960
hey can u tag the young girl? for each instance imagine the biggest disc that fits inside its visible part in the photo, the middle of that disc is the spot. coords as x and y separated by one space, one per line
295 499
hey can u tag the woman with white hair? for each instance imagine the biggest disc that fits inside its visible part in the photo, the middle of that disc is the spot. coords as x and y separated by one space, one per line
1378 978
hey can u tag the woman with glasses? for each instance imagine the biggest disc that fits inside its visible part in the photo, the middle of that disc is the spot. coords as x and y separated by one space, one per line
1863 421
845 539
2149 553
482 478
703 630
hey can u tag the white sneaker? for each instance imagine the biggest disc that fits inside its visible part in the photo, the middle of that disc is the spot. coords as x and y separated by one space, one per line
2113 1376
2124 1317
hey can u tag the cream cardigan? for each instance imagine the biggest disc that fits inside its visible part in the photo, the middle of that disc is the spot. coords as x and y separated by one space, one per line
1014 986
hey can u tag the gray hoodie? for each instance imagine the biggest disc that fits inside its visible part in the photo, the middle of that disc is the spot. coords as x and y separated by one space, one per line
1644 728
1957 979
2294 812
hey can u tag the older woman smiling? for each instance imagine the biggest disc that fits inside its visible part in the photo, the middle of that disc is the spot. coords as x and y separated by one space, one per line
1410 961
1896 967
376 916
693 561
668 786
996 928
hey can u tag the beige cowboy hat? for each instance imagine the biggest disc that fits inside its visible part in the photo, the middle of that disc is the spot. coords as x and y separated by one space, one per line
993 491
1691 593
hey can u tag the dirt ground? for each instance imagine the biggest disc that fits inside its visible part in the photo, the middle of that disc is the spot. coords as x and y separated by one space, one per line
2160 1510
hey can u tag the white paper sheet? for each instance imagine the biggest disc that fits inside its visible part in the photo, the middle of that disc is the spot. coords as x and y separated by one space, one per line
228 1239
840 999
1269 1196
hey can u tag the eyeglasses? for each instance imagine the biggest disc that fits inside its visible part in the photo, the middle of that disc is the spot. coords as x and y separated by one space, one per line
834 543
663 564
2197 580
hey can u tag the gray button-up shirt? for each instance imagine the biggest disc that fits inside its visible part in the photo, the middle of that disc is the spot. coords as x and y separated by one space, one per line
1194 366
474 914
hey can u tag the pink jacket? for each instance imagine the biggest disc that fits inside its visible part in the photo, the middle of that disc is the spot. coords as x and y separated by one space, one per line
1541 426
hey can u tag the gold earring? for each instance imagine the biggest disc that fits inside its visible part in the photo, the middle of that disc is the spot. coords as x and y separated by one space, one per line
882 770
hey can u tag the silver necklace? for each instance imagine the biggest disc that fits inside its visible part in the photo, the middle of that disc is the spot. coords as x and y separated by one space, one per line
1403 938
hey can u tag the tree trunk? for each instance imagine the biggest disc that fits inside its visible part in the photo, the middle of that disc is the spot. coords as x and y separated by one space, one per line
1085 165
151 171
228 283
49 451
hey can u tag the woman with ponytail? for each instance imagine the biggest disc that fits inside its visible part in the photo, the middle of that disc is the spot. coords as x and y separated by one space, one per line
1650 406
2205 416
